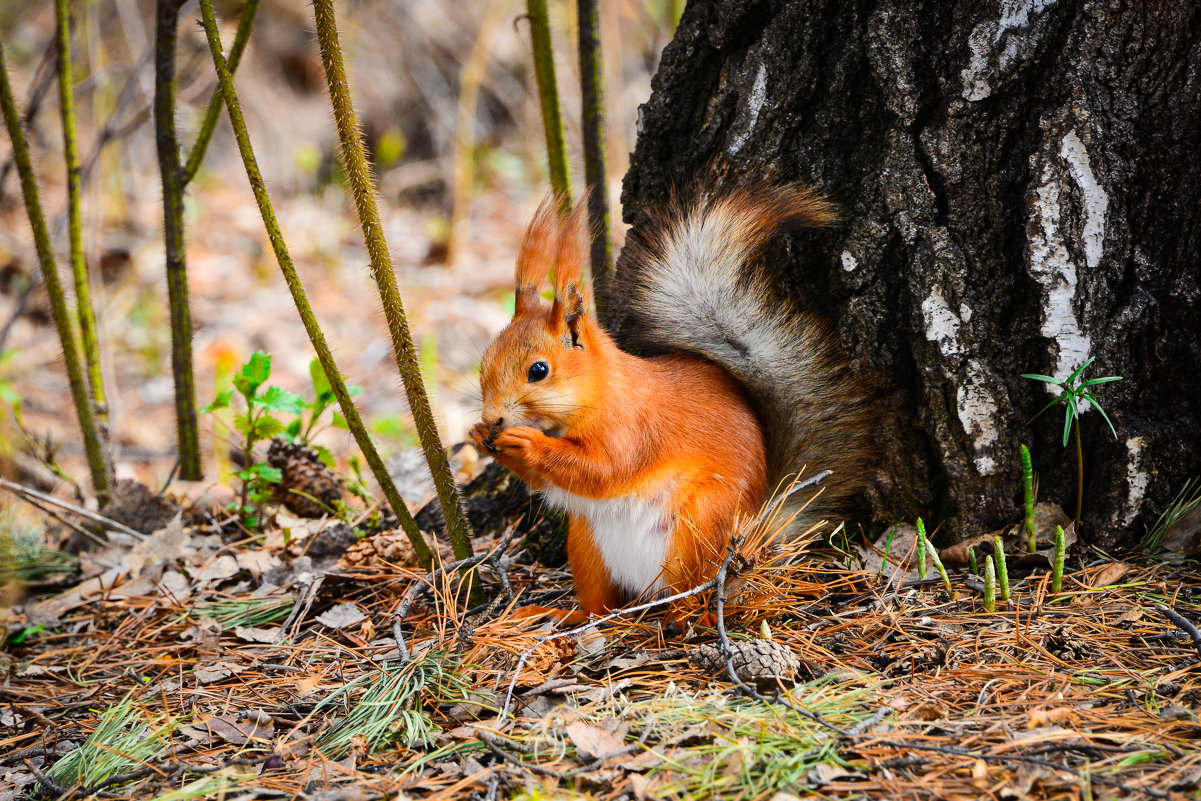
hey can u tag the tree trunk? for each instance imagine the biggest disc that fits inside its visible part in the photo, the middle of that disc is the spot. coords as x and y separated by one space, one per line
1021 189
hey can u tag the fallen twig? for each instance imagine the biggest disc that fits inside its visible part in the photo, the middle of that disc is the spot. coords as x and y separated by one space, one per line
25 493
1183 623
427 581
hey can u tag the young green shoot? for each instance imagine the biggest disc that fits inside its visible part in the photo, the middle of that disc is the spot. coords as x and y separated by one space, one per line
259 422
1072 395
1184 504
1057 562
921 550
933 553
990 585
1028 500
973 564
998 548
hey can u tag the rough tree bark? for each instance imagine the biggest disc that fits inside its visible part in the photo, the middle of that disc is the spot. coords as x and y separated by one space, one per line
1021 188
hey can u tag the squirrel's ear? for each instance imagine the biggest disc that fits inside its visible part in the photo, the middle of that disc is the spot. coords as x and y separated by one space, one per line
570 252
536 254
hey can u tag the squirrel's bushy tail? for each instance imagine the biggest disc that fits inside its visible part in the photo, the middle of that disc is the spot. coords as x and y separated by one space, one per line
698 287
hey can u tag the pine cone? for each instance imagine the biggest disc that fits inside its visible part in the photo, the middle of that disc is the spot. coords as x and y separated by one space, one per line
761 662
388 547
307 487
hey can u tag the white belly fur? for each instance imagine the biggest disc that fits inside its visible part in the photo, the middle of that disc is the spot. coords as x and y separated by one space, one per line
630 532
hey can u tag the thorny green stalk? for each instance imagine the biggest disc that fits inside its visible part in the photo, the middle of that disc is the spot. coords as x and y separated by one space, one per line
353 421
998 549
592 90
358 176
1028 499
990 585
921 550
83 294
166 139
213 112
548 94
97 453
1057 562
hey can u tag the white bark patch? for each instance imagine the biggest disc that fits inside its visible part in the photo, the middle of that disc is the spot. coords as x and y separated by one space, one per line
974 402
942 325
1096 201
977 413
983 41
750 113
1016 13
1051 266
1137 481
849 262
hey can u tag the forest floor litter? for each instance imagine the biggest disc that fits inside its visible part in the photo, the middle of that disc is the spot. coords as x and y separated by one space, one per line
199 662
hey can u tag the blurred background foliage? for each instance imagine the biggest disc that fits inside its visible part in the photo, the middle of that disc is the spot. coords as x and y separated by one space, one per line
450 112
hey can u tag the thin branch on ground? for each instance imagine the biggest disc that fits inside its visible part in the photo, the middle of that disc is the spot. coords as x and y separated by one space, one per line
427 582
27 493
1183 623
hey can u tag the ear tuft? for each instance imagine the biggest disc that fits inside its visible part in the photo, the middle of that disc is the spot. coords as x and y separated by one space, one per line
570 254
537 254
571 250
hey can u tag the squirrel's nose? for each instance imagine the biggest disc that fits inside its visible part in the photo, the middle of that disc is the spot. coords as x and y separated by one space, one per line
495 422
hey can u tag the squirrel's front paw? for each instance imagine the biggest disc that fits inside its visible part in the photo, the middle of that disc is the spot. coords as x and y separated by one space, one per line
515 442
479 434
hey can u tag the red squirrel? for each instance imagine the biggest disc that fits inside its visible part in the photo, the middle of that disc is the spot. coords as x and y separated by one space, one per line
656 460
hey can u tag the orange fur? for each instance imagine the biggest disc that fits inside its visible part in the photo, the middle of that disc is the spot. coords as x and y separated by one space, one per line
676 430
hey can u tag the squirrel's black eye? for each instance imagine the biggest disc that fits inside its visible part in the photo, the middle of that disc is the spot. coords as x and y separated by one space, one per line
539 371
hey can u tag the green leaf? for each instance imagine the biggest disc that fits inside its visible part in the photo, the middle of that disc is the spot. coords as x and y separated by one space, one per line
219 402
293 428
242 422
322 402
280 400
324 455
1067 422
1048 406
340 422
353 390
253 374
263 472
1072 378
1038 377
1097 406
320 381
266 427
1104 380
